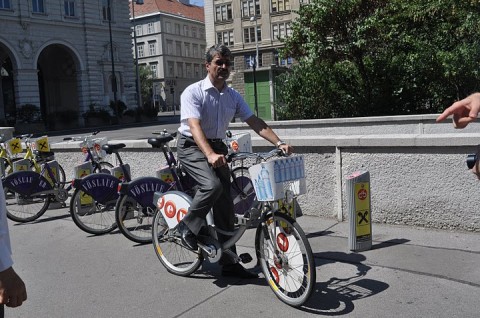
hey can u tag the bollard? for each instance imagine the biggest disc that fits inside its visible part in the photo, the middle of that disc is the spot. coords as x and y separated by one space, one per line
359 207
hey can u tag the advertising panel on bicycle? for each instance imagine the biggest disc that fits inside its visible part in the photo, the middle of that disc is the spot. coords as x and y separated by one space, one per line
272 179
172 206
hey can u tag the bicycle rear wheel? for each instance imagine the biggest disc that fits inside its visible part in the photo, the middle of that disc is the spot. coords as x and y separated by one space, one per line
173 255
102 166
286 259
133 220
25 208
90 216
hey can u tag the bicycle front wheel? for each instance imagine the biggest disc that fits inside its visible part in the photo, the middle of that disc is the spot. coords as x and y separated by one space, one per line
242 191
173 255
133 220
25 208
91 216
286 259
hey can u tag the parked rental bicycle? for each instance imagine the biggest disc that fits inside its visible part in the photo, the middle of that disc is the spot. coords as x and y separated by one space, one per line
29 194
282 249
102 202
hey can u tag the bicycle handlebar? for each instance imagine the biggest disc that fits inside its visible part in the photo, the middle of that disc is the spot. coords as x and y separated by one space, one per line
256 155
81 138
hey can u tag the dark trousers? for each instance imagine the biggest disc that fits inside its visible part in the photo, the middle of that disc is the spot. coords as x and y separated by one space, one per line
213 188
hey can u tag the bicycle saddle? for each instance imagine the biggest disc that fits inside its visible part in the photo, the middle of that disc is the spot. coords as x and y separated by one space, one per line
111 148
159 142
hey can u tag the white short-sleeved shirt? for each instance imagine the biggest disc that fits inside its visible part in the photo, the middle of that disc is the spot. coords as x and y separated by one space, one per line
5 249
215 109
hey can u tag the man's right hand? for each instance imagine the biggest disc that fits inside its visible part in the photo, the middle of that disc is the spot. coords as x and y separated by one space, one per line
216 160
464 111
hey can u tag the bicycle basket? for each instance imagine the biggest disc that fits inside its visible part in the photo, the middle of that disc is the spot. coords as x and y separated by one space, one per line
274 178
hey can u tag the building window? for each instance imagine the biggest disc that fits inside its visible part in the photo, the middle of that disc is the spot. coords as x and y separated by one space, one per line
177 28
280 5
69 8
194 32
170 69
250 60
223 12
196 69
5 4
185 30
150 28
187 49
168 27
169 47
153 68
249 35
141 50
179 69
188 70
250 8
138 30
178 48
281 30
152 48
37 6
195 50
225 37
201 34
283 62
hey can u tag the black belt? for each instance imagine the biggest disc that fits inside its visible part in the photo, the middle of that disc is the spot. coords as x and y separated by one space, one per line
214 140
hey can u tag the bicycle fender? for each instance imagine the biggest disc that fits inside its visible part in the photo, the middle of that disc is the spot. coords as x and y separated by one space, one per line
26 182
102 187
142 190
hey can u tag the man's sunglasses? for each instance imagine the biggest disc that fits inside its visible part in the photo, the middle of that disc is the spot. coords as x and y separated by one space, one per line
223 62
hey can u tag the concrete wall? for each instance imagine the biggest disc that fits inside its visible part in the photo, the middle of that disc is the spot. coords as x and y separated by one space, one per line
418 176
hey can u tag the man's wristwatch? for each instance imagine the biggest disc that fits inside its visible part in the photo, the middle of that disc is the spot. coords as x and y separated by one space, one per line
280 142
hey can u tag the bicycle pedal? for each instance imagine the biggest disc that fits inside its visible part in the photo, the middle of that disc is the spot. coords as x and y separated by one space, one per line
245 258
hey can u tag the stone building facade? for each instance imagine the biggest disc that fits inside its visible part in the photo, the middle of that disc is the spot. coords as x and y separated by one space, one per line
248 26
170 36
56 56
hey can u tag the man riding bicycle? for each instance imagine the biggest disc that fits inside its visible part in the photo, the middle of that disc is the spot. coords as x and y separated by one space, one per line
207 108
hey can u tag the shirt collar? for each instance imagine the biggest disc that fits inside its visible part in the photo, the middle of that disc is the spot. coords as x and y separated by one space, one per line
207 84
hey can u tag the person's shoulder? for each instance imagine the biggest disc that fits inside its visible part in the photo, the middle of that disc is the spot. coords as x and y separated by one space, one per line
195 88
233 92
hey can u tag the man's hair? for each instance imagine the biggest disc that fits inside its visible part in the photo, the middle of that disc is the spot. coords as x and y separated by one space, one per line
219 49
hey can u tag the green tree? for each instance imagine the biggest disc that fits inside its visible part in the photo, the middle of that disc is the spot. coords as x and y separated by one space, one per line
367 57
146 84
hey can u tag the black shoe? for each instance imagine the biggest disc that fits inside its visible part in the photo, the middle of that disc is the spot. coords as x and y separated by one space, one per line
237 270
188 238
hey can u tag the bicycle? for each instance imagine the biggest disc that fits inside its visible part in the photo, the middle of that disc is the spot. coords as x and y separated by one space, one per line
134 210
134 213
28 194
93 201
28 203
282 249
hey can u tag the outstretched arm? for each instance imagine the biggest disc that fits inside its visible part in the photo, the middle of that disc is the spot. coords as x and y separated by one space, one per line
464 111
263 130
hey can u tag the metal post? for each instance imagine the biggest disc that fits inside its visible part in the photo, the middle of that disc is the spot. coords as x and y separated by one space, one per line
114 77
137 84
254 18
359 206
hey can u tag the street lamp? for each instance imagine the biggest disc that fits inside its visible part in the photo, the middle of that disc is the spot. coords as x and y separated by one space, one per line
254 18
137 84
114 77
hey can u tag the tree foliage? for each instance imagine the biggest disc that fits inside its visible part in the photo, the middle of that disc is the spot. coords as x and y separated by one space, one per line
368 57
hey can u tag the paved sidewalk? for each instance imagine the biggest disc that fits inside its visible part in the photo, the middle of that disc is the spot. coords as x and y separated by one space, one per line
407 273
